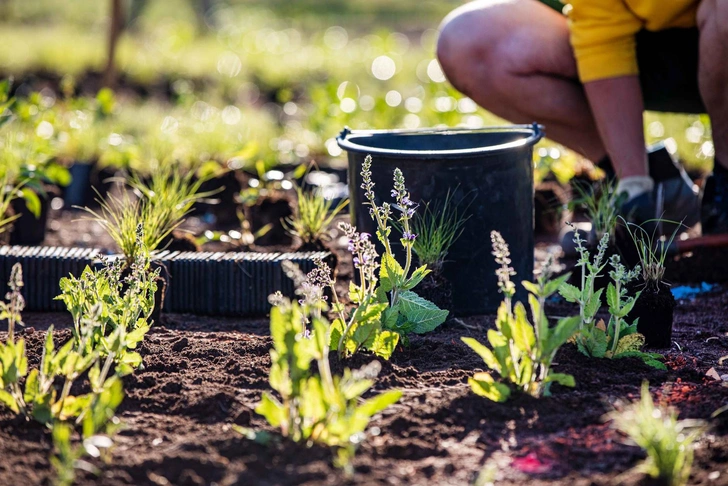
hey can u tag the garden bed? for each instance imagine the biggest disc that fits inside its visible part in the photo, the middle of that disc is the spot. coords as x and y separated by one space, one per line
203 375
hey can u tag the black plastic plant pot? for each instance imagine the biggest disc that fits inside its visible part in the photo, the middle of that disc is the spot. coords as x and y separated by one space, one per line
655 311
489 169
29 229
86 179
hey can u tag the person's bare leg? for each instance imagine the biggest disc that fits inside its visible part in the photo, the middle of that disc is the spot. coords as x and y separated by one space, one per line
514 58
713 71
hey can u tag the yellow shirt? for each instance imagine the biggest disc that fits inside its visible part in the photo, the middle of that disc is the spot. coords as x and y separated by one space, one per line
603 31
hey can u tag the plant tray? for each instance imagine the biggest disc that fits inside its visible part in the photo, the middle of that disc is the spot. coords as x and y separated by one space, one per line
205 283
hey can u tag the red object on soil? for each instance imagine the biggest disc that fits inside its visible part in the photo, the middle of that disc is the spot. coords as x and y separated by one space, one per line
532 464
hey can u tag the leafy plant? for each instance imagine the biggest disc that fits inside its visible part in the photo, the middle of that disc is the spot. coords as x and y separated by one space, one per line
316 407
313 216
520 352
407 312
667 441
386 309
99 426
618 339
437 228
111 314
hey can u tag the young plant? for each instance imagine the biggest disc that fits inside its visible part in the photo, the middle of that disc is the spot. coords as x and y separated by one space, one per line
313 216
618 339
110 313
316 407
520 352
602 207
98 427
652 251
589 300
407 311
437 228
171 194
121 218
668 442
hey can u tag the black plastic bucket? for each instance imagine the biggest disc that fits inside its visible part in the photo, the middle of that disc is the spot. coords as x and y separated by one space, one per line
491 169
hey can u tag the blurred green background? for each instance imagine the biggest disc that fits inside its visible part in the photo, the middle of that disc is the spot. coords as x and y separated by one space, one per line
248 80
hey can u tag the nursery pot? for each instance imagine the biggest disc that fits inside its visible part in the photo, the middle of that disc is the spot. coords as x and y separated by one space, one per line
655 309
29 229
489 169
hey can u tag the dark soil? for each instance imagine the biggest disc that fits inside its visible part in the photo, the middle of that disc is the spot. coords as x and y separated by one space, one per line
202 375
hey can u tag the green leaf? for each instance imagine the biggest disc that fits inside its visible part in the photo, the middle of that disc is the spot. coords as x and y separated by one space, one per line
553 285
627 307
424 314
594 343
484 352
612 298
483 384
417 277
562 332
592 307
335 331
531 287
356 295
390 273
32 201
390 316
9 401
384 344
569 292
378 403
271 409
561 378
523 335
31 386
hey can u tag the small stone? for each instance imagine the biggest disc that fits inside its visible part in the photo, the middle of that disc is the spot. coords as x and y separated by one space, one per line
29 330
724 377
713 374
714 475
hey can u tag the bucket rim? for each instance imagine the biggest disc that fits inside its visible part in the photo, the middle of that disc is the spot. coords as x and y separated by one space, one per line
535 132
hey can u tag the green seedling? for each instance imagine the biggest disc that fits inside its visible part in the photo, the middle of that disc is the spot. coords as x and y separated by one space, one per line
316 407
313 216
520 352
617 339
437 228
668 442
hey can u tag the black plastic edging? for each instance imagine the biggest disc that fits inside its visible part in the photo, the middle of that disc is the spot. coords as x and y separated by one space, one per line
204 283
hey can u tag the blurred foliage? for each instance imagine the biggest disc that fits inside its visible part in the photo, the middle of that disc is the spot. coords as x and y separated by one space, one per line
284 77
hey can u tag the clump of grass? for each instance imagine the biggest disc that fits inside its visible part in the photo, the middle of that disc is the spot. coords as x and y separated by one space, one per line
161 208
668 442
437 228
313 216
602 206
121 216
651 250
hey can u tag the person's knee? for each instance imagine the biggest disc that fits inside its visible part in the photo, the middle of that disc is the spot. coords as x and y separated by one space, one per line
470 36
714 13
